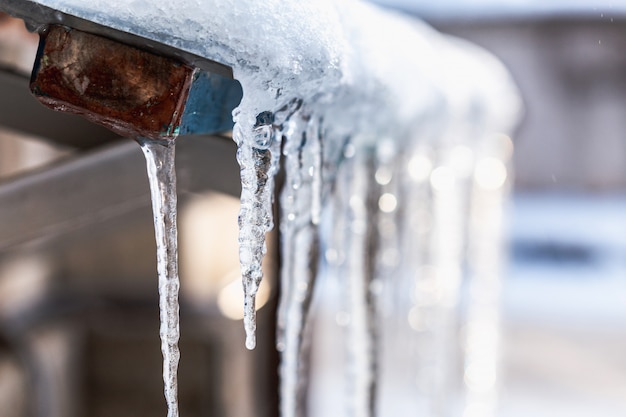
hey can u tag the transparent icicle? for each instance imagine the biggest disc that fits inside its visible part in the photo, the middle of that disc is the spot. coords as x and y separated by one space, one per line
389 287
258 155
162 176
390 221
362 332
292 131
300 245
294 134
485 258
314 169
438 281
295 356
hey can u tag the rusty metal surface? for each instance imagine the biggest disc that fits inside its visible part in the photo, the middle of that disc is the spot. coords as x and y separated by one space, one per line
130 91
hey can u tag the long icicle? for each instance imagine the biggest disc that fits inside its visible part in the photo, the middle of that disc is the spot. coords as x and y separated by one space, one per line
446 250
362 336
162 176
485 257
290 215
300 243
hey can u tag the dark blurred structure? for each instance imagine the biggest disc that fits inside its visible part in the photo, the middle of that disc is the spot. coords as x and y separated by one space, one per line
572 75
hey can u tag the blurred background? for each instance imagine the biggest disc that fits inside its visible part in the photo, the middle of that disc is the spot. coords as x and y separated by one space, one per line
564 304
77 284
564 299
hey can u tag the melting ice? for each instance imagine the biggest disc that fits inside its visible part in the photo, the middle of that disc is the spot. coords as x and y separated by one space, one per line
384 127
162 177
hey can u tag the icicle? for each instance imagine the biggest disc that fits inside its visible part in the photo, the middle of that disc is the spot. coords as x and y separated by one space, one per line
362 333
162 176
418 228
257 160
300 243
292 132
314 136
258 155
440 172
388 176
295 358
485 258
290 212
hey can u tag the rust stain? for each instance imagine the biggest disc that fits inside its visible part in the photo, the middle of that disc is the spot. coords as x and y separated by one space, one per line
130 91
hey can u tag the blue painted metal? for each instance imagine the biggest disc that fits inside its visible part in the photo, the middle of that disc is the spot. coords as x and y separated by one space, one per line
210 103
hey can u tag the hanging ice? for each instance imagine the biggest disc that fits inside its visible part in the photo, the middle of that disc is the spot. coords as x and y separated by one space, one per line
361 213
162 176
300 213
257 156
393 219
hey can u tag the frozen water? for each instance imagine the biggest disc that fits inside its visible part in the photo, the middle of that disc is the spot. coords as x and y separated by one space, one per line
257 154
356 67
162 176
300 254
327 53
382 123
361 257
485 266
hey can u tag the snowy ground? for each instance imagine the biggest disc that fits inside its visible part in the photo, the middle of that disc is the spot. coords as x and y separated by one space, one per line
565 307
564 314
